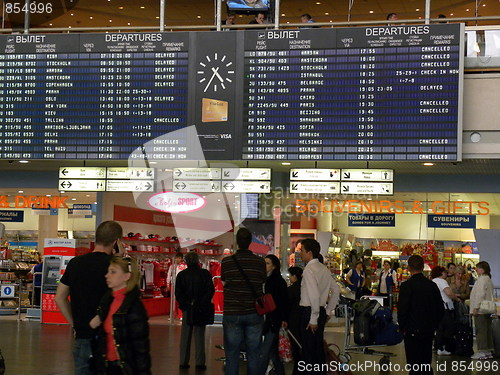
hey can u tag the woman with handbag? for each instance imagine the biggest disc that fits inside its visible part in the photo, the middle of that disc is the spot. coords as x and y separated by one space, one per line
482 306
276 286
194 291
122 346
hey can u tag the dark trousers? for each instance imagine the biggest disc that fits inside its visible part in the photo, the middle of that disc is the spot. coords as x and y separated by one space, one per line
114 368
445 331
418 350
313 351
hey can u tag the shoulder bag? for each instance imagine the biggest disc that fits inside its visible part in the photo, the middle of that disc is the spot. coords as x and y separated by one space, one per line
488 306
264 304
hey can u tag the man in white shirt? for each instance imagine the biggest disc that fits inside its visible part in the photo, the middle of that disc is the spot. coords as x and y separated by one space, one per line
318 289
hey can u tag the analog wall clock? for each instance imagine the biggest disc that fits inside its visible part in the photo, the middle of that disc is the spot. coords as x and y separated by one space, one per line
215 72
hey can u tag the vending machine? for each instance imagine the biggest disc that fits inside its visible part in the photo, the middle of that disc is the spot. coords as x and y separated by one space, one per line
57 254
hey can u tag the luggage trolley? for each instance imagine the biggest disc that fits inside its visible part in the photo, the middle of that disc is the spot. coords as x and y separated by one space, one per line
346 311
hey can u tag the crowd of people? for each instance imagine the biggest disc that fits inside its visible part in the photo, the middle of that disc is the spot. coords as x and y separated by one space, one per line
111 330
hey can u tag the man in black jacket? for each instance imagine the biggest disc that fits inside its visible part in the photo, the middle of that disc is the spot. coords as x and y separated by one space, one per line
420 310
194 290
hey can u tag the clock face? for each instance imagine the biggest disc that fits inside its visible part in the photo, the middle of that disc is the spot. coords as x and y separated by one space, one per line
215 72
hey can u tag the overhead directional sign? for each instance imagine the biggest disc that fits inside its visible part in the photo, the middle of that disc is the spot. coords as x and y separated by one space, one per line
83 172
375 188
246 174
82 185
197 186
246 186
367 175
315 174
308 187
130 185
132 173
197 173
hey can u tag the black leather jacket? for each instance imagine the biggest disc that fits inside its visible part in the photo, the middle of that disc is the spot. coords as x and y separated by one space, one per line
276 285
131 333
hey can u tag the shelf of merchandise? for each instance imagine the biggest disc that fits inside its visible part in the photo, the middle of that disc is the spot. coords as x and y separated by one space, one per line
161 305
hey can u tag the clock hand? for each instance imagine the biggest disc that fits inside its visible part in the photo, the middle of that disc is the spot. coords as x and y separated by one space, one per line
216 73
209 82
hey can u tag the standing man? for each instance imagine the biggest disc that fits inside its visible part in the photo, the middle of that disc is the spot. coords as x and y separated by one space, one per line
85 284
317 289
420 310
241 322
194 290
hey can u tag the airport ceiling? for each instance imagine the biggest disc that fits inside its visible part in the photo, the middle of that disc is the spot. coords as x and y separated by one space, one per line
116 13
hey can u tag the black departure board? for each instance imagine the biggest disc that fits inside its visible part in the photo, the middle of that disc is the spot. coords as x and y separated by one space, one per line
376 93
91 96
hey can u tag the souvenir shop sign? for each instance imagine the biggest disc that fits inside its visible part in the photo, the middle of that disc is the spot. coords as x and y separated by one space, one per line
12 216
176 202
372 220
451 221
357 206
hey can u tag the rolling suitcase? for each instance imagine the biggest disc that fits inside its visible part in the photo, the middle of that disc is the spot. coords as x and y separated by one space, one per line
362 330
463 340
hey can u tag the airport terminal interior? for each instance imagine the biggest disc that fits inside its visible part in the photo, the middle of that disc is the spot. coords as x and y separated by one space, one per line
183 120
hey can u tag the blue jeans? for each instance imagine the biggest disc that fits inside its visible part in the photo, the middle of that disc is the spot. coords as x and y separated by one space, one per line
82 351
239 329
269 351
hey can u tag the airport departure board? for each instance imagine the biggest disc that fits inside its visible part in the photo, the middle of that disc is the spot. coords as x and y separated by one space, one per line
375 93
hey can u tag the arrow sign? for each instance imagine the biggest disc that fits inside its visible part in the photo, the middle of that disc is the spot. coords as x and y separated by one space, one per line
374 188
66 185
308 187
197 186
132 173
82 185
368 175
84 172
315 174
246 174
180 186
247 187
129 185
197 173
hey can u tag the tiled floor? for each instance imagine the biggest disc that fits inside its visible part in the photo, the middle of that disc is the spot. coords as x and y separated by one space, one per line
30 348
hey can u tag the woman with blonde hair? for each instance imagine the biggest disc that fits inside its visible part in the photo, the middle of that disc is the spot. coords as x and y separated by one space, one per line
123 341
459 284
482 291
